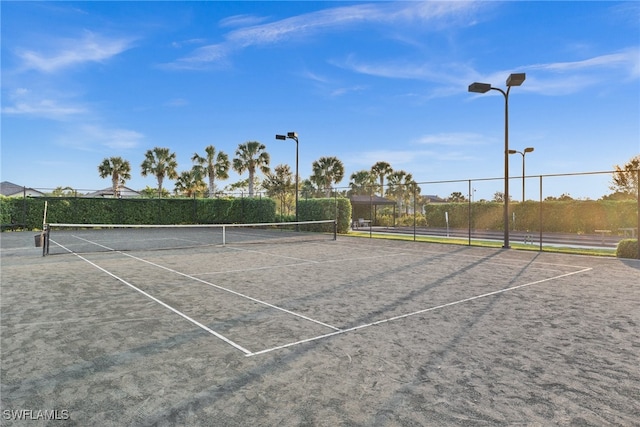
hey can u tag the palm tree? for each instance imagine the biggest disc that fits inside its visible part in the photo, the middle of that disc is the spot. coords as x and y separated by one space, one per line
280 184
213 166
327 171
361 182
381 170
251 156
190 182
401 187
119 170
161 163
308 189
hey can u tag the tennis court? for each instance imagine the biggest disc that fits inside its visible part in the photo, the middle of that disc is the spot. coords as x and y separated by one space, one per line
352 332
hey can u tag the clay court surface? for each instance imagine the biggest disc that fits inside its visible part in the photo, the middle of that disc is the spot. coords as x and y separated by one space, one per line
352 332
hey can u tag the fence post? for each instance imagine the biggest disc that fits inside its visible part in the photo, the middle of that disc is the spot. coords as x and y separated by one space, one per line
414 211
469 214
540 227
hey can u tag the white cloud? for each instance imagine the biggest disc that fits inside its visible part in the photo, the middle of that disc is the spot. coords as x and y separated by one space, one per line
24 102
626 61
396 158
95 137
112 138
70 52
241 20
554 78
452 139
333 19
345 90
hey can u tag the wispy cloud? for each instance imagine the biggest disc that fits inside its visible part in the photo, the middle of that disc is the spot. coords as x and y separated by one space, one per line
95 137
451 139
555 78
345 90
67 53
242 20
396 158
24 102
332 19
613 60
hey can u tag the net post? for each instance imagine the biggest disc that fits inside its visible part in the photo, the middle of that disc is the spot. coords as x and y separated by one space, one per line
335 229
224 235
45 240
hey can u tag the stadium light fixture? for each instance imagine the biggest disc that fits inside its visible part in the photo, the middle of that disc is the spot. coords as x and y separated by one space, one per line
294 136
525 151
514 79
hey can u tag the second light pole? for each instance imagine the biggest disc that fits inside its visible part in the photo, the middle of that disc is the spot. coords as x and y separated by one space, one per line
515 79
294 136
526 150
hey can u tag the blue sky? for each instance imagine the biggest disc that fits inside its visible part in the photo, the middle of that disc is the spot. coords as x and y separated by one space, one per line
362 81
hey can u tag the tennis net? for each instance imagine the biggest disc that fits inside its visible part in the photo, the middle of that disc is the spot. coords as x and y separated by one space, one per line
87 238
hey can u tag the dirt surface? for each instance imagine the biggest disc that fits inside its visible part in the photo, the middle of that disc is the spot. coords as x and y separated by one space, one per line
355 332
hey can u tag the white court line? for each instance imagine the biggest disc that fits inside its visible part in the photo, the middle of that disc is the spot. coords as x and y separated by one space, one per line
402 316
179 313
212 285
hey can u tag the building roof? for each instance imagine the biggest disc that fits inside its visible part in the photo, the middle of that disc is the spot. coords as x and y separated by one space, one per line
10 189
434 199
370 200
108 192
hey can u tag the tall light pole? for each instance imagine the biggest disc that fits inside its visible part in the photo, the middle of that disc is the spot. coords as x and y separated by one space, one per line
515 79
526 150
294 136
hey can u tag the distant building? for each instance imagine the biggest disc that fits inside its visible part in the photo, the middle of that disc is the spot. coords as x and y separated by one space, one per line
124 192
9 189
433 199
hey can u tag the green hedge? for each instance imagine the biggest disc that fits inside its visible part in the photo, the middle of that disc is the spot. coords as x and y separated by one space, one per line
329 208
7 212
575 216
83 210
627 248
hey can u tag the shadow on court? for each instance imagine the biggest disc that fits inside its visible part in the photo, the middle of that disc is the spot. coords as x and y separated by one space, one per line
493 337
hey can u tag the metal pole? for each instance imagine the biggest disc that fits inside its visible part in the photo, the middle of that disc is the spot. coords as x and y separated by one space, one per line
506 168
523 177
469 213
540 213
414 212
638 224
296 139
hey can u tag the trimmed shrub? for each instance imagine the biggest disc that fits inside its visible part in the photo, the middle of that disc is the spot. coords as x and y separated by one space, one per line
6 211
327 208
627 248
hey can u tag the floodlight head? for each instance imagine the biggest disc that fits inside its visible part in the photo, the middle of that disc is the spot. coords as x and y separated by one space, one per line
479 87
281 137
528 149
516 79
292 135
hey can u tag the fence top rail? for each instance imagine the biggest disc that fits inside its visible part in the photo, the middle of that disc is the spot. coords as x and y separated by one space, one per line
515 176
